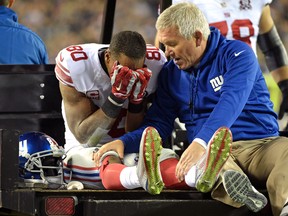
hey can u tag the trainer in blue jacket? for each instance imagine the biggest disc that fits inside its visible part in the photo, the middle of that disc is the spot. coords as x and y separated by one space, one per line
18 44
211 83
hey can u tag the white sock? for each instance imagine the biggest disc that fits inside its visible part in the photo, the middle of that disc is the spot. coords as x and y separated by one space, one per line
129 178
190 178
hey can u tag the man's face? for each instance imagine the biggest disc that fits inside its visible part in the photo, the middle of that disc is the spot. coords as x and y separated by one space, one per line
125 61
185 53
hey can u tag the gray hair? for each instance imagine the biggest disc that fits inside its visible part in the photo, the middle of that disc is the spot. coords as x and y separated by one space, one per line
186 17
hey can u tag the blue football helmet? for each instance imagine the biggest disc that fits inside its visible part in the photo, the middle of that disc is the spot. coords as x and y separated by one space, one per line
40 159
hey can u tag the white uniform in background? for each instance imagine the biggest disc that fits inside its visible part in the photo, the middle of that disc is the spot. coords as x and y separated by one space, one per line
237 20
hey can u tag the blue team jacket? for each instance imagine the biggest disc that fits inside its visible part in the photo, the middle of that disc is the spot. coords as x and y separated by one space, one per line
226 89
18 44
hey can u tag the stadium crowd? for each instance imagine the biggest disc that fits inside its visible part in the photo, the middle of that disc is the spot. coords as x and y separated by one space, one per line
63 22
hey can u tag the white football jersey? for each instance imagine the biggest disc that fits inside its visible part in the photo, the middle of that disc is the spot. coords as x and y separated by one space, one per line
79 66
237 20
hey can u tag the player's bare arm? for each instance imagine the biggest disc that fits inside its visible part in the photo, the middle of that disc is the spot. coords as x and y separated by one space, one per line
83 117
275 55
133 120
266 24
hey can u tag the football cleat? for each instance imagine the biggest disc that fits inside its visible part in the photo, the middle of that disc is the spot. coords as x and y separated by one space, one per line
240 189
148 168
210 165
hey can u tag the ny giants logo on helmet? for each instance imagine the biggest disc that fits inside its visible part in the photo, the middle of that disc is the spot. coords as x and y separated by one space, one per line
23 148
51 141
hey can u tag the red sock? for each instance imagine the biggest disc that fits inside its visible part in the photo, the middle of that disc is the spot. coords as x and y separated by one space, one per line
168 168
110 174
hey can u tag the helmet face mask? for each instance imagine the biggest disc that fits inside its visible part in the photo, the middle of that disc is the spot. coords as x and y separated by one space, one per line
40 159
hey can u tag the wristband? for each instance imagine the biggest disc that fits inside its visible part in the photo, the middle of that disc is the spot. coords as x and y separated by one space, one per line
135 108
112 106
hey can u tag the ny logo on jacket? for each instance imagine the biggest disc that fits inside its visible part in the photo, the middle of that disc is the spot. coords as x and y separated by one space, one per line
217 82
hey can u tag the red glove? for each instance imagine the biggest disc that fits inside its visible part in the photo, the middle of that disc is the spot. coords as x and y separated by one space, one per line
122 81
138 92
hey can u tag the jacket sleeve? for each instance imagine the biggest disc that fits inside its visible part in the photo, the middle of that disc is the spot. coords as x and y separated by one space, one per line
161 114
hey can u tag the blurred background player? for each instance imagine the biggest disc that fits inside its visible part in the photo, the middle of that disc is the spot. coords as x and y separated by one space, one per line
18 44
252 23
105 90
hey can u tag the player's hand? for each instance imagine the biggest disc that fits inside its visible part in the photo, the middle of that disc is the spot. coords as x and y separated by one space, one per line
116 145
138 92
122 80
283 85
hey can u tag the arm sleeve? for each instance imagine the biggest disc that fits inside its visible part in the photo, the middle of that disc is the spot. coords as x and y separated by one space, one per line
273 49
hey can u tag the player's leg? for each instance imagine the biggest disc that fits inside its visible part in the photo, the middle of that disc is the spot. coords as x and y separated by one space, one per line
148 168
205 173
209 166
110 171
168 162
78 166
147 172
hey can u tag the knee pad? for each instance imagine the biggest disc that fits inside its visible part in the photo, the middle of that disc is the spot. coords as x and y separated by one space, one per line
110 175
